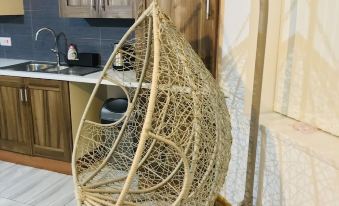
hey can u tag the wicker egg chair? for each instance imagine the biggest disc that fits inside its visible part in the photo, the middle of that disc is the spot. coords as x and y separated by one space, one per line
172 146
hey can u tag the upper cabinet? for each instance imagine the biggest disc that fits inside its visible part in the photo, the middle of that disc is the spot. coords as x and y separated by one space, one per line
97 8
11 7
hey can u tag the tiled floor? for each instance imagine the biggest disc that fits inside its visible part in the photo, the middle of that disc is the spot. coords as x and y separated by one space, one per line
26 186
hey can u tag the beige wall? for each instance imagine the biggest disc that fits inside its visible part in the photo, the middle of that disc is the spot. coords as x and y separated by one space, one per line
292 173
307 69
11 7
237 46
300 166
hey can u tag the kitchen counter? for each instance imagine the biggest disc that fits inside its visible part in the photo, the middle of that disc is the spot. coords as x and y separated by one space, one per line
8 62
127 78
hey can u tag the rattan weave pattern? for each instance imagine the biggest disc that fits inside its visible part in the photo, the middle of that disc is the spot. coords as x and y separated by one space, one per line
172 146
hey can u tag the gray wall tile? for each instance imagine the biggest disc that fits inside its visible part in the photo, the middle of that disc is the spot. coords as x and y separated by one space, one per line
107 47
90 35
2 53
22 47
17 25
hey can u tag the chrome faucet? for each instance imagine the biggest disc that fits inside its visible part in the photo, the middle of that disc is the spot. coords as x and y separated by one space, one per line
56 47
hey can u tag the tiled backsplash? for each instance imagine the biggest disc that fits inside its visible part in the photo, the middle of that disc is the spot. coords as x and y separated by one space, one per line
90 35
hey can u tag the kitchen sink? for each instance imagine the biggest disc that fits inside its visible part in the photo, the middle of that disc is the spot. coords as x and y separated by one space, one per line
34 67
79 71
31 67
46 67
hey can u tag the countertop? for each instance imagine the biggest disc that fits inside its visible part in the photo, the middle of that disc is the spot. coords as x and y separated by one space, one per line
126 78
8 62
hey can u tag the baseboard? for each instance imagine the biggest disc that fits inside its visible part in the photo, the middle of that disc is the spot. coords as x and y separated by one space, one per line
37 162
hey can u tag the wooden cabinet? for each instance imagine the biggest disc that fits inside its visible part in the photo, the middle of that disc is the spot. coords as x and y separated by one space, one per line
198 21
117 8
52 132
97 8
15 134
11 7
35 117
76 8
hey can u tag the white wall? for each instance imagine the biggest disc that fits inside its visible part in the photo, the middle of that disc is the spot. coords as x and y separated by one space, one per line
238 35
300 166
307 69
291 173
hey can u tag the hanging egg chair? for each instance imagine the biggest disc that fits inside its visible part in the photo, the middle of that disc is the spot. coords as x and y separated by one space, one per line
172 145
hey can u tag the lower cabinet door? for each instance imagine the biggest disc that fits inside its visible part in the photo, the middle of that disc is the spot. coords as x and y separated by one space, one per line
52 136
15 134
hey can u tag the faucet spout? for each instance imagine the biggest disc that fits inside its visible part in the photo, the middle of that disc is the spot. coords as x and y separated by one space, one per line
45 29
56 47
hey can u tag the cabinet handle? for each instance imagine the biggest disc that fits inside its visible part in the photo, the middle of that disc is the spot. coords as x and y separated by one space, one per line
208 9
21 95
94 5
26 96
103 5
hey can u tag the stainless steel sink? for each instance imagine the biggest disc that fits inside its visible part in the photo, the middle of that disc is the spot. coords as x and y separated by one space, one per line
34 66
79 71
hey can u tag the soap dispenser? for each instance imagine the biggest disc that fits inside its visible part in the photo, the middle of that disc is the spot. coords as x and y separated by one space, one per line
72 53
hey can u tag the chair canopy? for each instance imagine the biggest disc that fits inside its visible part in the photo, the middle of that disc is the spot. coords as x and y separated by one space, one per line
172 146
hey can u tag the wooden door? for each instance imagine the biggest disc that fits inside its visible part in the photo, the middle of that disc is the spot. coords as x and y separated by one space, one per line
15 135
52 133
198 21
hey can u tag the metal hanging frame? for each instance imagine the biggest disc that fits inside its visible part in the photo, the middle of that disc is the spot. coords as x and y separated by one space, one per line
256 102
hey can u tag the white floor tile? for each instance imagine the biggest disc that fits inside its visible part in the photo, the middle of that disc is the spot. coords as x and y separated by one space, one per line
72 203
6 202
26 186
